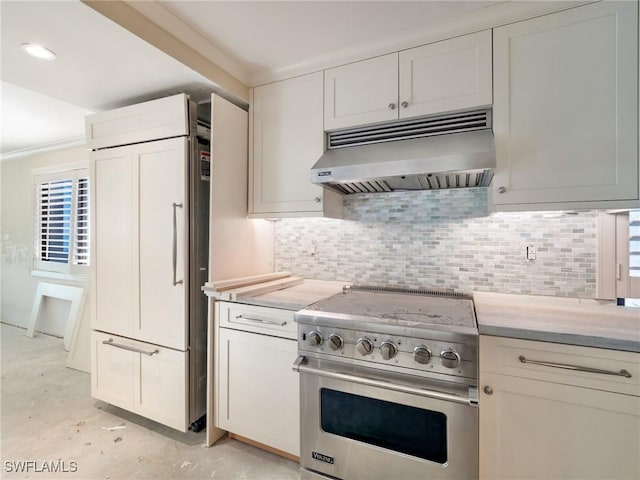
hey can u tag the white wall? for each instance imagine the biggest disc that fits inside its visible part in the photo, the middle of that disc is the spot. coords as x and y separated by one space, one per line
18 286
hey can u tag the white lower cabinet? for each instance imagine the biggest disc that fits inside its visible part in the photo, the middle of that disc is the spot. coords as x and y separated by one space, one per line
112 378
545 422
257 392
140 377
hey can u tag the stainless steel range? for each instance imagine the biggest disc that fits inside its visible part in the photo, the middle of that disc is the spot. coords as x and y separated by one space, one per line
388 382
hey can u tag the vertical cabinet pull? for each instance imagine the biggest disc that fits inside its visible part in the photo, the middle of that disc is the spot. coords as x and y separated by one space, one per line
175 244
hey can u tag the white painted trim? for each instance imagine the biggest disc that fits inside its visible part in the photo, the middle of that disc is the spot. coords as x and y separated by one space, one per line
492 16
45 147
65 167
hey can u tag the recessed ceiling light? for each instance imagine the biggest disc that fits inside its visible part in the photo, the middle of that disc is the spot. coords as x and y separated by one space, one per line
38 51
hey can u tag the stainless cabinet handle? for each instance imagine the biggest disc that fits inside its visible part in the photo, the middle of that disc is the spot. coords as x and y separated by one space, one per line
488 390
261 320
317 199
127 347
577 368
392 106
502 189
175 243
405 104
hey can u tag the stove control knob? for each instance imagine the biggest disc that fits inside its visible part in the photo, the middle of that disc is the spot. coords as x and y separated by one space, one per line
335 342
364 346
315 339
422 355
388 350
450 358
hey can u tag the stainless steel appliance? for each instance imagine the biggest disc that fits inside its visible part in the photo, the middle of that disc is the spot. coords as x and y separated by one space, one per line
454 150
388 382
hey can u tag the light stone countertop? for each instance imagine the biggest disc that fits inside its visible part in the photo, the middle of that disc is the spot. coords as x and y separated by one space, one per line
296 297
570 321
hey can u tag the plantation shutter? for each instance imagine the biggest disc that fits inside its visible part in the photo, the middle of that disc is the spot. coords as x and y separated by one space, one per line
55 220
81 244
62 229
634 243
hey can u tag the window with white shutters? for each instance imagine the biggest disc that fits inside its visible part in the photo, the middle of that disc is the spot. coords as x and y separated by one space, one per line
62 242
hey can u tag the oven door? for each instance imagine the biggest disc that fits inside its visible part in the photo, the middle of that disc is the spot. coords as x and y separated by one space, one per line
358 424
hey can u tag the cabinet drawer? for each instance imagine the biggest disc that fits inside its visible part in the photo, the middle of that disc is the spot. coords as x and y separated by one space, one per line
141 377
162 394
112 371
249 318
503 355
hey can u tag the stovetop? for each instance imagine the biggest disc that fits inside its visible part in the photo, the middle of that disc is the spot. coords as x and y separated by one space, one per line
401 308
392 329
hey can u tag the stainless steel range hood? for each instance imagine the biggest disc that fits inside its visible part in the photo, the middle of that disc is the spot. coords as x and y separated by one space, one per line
446 151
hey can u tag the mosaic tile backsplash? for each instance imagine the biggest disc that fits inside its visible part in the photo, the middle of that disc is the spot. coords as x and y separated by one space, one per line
443 239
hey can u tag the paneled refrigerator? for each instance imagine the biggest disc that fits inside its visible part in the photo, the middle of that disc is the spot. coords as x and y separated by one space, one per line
150 174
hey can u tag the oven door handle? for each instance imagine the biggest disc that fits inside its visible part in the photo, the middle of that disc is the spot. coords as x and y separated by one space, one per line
300 366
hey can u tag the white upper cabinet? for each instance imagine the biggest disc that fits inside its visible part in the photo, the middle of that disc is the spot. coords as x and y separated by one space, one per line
440 77
362 92
287 139
451 75
566 110
162 118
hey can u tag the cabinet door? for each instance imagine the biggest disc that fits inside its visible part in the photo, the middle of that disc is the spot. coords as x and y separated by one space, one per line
256 319
112 370
162 394
257 392
161 118
445 76
566 107
287 139
361 92
163 227
531 429
114 244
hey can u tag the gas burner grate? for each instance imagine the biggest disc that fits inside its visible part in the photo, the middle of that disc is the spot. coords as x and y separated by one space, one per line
433 292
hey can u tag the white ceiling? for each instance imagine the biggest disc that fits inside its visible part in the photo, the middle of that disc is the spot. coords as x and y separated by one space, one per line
101 65
273 35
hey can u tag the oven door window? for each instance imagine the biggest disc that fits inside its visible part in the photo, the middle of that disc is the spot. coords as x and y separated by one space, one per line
402 428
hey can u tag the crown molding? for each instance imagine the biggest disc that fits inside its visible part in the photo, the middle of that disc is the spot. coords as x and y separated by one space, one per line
485 18
45 147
